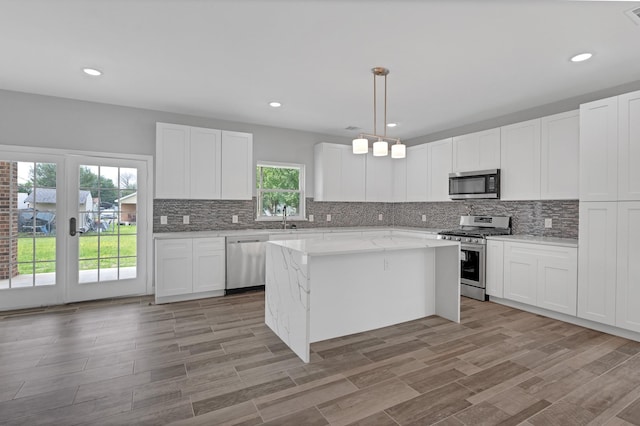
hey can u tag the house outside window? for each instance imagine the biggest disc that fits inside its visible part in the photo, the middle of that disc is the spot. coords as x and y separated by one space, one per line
280 185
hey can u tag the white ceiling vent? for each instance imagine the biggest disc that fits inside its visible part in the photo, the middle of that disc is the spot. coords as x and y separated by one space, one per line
634 14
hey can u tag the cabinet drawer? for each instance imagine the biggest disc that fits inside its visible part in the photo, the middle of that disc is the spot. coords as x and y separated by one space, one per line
217 243
538 250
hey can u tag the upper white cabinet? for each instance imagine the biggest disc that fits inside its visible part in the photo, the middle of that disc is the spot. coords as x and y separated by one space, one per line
597 262
189 163
379 178
599 150
399 179
520 161
629 146
477 151
417 173
560 156
237 166
339 174
440 157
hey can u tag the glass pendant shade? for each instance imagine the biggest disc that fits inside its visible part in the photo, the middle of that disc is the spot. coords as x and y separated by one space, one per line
360 146
380 148
398 150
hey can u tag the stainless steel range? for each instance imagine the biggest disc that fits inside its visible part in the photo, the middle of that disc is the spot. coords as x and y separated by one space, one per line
472 235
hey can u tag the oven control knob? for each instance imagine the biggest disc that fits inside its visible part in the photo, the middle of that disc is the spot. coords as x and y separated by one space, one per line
468 240
458 238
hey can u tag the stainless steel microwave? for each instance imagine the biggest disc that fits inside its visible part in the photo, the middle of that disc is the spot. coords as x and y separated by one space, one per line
478 184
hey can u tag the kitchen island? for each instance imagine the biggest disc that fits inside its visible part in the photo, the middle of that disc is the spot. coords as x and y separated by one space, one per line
322 289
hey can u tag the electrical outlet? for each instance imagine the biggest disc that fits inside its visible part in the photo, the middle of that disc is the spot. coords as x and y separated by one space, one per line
185 219
234 218
548 223
328 218
310 218
424 217
380 216
163 220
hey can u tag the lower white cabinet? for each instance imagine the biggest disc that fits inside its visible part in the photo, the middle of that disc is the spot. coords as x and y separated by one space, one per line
495 268
189 268
628 267
542 275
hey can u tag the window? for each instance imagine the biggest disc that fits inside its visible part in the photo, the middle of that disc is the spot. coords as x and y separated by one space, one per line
280 185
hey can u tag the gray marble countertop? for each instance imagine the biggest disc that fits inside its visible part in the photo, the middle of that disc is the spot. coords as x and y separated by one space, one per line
359 245
552 241
240 232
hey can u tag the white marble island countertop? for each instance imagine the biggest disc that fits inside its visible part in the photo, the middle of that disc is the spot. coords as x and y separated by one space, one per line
359 245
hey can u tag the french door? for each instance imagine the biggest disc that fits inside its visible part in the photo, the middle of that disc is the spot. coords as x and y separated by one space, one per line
72 228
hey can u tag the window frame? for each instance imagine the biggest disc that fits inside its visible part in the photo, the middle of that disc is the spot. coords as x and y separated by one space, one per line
301 214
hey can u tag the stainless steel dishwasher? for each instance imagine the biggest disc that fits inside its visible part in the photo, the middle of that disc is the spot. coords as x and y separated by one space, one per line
246 263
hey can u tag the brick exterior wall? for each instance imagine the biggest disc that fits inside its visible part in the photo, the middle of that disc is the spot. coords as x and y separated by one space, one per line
8 219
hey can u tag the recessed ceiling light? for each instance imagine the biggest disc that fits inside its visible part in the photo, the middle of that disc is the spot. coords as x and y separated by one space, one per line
581 57
275 104
92 72
392 124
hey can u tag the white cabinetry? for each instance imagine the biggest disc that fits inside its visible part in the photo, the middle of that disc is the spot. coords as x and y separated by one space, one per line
189 163
439 166
237 166
477 151
189 268
597 260
417 173
340 175
379 178
628 267
560 153
400 180
599 150
520 161
629 146
541 275
495 268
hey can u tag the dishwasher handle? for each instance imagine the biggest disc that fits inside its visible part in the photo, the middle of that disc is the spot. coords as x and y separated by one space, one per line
245 240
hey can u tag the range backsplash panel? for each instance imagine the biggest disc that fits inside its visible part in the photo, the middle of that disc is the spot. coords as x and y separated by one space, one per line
528 216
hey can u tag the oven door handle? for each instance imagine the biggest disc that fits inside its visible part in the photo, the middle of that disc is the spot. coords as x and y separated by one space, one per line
478 248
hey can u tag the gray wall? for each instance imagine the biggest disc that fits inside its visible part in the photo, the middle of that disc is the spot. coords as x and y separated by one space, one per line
50 122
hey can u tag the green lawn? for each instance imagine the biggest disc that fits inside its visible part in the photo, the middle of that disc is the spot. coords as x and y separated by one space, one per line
43 249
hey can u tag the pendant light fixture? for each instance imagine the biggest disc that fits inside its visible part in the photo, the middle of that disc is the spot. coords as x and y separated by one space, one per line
381 144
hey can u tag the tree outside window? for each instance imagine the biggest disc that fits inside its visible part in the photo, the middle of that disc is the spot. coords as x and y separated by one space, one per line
280 185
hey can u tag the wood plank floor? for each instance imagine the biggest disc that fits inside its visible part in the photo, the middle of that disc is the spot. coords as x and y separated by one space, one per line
213 361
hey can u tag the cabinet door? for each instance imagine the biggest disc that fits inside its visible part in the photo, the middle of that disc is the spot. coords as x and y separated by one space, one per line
237 180
629 146
174 267
520 161
205 161
400 180
476 151
520 274
628 277
327 173
560 153
172 160
379 178
599 150
353 173
208 264
597 262
417 173
495 268
439 166
558 280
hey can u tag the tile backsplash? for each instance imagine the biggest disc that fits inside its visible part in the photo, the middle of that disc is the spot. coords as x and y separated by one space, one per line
527 216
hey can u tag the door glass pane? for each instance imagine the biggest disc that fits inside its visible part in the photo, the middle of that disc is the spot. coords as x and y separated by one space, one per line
28 201
108 212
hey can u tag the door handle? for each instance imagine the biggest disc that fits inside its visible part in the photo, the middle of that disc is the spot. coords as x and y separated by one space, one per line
72 226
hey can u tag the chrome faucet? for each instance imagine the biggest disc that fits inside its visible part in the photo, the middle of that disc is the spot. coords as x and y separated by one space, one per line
284 217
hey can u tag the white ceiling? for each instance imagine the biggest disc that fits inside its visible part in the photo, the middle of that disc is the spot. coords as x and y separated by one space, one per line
452 62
